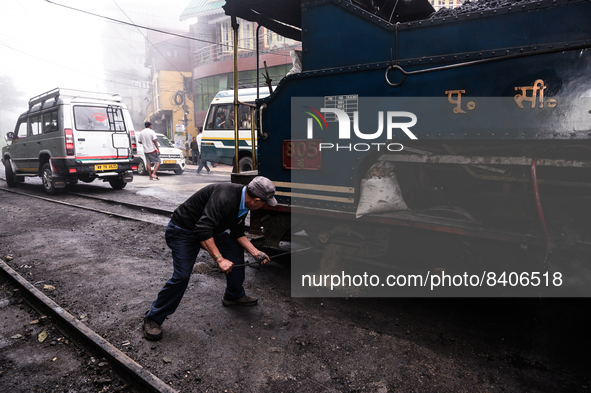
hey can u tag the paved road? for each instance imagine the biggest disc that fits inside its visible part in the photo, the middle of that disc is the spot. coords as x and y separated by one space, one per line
170 189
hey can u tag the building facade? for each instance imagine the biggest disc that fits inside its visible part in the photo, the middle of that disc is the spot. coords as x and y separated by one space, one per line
171 101
213 56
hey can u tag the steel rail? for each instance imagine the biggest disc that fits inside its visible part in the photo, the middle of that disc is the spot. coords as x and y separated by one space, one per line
118 215
154 210
148 380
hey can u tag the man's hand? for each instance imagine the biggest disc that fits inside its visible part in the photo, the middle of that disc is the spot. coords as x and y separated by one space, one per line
261 257
225 265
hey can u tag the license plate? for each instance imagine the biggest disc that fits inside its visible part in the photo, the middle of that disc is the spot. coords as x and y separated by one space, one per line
301 154
105 167
169 162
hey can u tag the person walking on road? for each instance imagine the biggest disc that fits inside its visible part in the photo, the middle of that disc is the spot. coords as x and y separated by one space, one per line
202 163
194 151
151 150
201 222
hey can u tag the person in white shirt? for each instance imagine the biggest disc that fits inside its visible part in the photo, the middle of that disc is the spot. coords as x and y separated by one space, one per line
151 150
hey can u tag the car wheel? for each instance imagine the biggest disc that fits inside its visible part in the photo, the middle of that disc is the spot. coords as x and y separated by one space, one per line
245 164
10 178
178 171
141 168
48 183
117 183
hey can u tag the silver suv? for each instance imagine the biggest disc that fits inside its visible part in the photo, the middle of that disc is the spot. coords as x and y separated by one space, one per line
70 135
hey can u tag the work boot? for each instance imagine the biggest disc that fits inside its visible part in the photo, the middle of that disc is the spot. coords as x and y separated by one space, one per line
243 301
152 330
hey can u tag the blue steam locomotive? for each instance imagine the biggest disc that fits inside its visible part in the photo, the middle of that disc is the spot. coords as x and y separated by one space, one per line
473 124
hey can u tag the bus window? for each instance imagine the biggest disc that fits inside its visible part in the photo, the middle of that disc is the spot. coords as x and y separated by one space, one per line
244 117
210 122
218 116
221 117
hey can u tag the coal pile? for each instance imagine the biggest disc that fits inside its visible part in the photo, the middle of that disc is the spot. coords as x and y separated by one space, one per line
477 6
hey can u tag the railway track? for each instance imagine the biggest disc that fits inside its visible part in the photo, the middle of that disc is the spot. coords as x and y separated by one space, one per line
114 208
137 379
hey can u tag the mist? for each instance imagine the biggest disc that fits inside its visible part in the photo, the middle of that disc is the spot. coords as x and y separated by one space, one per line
44 45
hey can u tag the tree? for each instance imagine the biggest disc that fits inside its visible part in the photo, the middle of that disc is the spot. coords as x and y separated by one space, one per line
10 98
11 104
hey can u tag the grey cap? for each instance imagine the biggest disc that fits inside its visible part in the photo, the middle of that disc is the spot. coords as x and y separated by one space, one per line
263 188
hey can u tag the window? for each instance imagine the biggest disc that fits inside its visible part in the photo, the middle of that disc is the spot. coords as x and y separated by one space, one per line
89 118
222 117
35 125
244 117
50 122
163 141
21 131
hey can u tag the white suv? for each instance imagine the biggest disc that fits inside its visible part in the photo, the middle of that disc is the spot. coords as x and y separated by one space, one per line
70 135
171 158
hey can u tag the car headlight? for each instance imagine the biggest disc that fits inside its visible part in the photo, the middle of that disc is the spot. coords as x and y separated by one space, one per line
182 155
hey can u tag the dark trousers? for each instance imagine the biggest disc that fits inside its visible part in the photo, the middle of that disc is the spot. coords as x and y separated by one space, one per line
194 155
202 163
185 249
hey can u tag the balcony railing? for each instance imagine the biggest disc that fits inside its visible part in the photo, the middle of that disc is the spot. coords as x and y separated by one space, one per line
269 42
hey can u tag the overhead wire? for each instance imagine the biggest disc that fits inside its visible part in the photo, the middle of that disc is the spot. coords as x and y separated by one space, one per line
154 29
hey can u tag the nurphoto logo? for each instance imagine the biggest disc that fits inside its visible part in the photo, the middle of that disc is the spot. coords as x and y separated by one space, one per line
394 120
